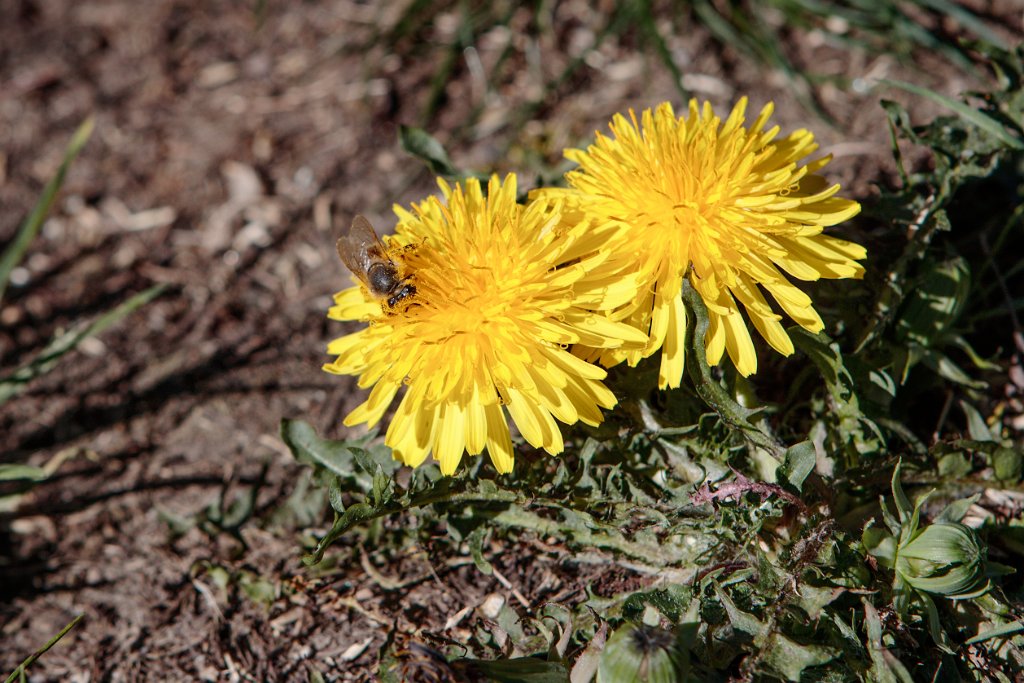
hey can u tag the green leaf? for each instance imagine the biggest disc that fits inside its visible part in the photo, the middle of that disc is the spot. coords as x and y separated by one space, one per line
1007 464
380 487
671 601
879 544
476 549
422 145
944 367
307 447
390 667
17 472
790 658
954 465
587 663
938 633
903 506
891 522
979 362
955 511
935 302
800 461
342 466
782 655
740 620
258 589
885 668
976 426
1000 632
14 252
61 344
352 516
364 460
381 492
813 600
882 380
859 433
965 111
335 496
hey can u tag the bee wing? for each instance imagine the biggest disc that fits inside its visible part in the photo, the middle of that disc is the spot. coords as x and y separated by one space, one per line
360 247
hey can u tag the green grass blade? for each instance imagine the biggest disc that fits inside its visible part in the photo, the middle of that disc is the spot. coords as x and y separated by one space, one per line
966 19
417 14
30 228
645 11
967 112
63 343
19 673
1000 632
749 36
22 473
443 75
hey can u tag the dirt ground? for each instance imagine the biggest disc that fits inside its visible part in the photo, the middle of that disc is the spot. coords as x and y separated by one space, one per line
232 140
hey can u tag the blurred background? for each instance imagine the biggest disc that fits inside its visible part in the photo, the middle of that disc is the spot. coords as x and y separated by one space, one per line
232 142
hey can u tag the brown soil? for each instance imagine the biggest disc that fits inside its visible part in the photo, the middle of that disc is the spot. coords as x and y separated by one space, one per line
231 142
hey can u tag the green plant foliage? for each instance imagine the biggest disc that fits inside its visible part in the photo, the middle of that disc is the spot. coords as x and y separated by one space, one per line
830 518
21 473
14 252
639 654
945 558
366 491
425 147
18 478
19 675
973 152
257 589
13 383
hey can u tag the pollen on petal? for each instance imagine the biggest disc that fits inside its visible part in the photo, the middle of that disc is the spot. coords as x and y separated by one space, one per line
502 293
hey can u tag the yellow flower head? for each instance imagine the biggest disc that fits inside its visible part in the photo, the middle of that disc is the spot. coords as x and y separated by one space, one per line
501 291
732 201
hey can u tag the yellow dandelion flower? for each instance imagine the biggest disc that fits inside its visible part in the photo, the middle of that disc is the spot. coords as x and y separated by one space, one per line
730 207
500 291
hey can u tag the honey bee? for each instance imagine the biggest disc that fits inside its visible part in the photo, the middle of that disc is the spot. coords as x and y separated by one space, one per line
365 255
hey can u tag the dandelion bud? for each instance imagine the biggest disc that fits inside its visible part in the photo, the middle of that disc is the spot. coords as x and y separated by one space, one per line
946 558
639 654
